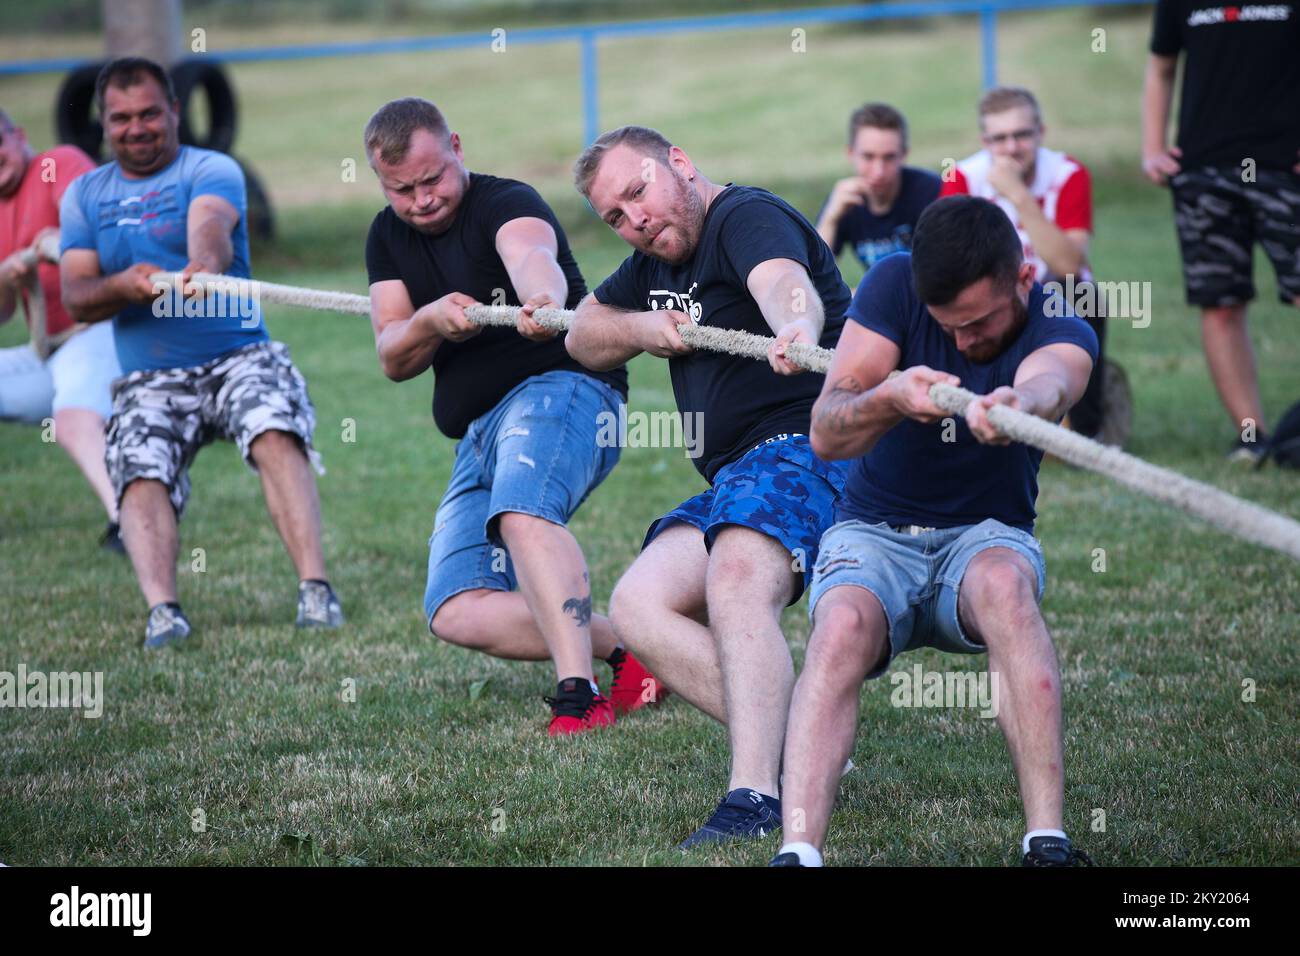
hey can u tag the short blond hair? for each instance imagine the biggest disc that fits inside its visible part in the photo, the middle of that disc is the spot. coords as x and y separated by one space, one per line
1003 98
646 141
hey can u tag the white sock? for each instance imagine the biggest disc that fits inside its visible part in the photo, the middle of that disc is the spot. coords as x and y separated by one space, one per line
594 688
806 852
1037 833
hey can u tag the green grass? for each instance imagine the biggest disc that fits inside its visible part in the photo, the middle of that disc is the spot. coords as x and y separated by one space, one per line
247 723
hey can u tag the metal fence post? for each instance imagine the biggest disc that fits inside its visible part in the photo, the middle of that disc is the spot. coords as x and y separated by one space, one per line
590 89
989 45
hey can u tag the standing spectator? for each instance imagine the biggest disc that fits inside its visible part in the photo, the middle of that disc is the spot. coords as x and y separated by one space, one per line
1234 174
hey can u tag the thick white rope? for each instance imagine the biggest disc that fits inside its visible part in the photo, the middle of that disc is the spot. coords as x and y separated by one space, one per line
1225 511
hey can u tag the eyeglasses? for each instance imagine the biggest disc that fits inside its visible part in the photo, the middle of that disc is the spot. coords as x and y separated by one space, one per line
1020 135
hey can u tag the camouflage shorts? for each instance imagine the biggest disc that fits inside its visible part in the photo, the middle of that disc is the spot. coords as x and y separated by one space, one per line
1220 218
780 489
162 417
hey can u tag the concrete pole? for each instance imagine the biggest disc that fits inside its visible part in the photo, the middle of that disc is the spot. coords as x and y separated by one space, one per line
149 28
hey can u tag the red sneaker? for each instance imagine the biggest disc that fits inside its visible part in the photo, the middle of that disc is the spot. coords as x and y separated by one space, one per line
575 712
633 687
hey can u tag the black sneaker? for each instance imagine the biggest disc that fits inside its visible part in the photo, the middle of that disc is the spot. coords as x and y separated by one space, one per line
318 605
111 539
742 814
785 859
1245 452
167 625
1054 851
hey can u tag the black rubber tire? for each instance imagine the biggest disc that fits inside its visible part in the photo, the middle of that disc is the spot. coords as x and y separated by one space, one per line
261 217
74 111
190 75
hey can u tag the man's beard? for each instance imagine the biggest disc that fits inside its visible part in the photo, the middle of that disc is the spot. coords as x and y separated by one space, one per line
988 351
152 160
686 220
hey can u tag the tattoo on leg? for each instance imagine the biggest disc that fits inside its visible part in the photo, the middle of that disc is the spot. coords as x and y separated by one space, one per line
580 608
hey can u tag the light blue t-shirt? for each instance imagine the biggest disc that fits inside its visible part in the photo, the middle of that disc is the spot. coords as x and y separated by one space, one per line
144 220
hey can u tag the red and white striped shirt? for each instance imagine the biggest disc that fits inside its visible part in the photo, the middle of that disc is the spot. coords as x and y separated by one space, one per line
1061 187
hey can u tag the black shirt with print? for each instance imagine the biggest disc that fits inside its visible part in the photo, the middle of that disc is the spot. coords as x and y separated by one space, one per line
1241 80
742 401
471 377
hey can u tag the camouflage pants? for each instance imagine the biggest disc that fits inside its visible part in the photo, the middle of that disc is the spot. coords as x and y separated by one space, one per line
162 417
1220 218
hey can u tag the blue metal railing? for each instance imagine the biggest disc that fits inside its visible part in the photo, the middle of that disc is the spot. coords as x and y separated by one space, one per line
587 37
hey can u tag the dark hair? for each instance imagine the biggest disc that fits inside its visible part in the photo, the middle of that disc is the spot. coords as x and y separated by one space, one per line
878 116
391 128
960 240
126 71
643 139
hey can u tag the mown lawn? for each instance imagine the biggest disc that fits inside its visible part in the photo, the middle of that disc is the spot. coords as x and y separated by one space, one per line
432 765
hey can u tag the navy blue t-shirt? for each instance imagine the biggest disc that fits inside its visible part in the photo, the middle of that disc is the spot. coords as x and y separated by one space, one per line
912 476
742 400
873 237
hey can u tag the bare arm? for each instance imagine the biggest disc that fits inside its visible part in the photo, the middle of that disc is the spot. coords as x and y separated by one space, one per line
13 273
209 222
528 249
406 338
1048 382
90 296
786 296
846 193
1158 162
859 402
1064 250
602 337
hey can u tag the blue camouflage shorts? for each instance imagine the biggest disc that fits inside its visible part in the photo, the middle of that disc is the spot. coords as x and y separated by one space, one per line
779 488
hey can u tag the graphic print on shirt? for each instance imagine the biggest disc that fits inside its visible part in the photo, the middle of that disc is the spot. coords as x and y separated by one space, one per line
679 301
1206 16
137 210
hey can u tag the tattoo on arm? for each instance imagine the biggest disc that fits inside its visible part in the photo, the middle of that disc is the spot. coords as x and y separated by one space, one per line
837 412
580 608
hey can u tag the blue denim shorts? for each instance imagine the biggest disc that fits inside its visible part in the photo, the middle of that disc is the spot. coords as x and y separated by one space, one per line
780 488
535 453
916 576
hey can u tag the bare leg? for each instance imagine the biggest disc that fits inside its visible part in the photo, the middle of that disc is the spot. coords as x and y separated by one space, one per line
149 532
996 601
290 490
553 579
849 637
501 624
1232 363
656 610
750 579
80 432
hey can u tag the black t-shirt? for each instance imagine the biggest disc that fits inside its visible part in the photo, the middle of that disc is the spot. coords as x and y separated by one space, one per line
742 401
1241 80
873 237
470 377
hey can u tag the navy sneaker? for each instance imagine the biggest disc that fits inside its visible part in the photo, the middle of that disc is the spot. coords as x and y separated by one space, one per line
785 859
742 814
1054 851
167 625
